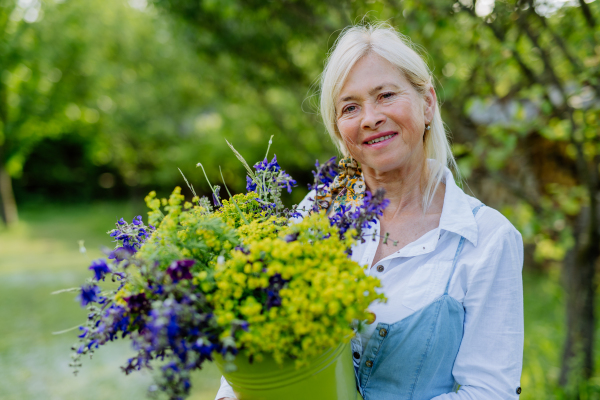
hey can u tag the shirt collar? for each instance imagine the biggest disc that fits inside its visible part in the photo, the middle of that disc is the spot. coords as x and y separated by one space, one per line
457 215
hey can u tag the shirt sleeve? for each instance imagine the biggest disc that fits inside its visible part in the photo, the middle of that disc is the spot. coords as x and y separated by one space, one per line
225 390
304 207
490 359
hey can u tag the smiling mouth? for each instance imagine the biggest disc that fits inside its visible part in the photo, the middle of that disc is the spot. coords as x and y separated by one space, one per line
381 139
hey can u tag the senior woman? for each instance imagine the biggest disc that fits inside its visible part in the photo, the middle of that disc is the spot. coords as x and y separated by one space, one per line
449 265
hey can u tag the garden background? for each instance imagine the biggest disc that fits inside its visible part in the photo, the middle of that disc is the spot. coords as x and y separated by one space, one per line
102 101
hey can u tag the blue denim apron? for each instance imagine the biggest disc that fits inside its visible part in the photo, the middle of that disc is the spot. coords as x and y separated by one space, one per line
413 358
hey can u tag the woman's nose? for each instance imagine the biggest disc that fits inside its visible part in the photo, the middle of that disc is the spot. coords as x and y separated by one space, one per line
372 118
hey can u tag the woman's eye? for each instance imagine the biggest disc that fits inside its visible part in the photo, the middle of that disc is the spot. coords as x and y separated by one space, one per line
387 95
349 109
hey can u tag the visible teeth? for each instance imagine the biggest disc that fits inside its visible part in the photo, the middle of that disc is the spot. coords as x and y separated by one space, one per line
380 139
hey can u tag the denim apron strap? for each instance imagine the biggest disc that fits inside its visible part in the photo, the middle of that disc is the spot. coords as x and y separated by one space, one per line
461 243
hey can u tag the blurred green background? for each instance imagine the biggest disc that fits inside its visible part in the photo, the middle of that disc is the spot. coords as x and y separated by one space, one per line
102 101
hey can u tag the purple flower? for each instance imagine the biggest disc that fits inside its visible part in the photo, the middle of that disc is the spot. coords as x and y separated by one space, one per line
92 343
271 174
100 269
276 283
373 206
84 332
205 350
265 165
362 218
242 249
250 185
324 174
137 220
179 270
121 253
121 222
291 237
89 294
216 196
290 183
138 303
343 219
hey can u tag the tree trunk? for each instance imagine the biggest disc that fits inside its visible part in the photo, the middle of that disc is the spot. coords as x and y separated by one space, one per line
579 278
8 205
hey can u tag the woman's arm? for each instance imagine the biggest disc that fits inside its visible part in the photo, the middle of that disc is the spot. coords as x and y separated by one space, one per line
489 361
225 391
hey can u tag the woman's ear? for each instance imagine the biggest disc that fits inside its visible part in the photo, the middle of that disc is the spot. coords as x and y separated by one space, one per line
430 103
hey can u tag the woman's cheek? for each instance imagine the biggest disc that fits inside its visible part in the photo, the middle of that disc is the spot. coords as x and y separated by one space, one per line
347 131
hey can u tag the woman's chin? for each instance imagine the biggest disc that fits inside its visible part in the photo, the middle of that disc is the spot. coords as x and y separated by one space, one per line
383 162
382 166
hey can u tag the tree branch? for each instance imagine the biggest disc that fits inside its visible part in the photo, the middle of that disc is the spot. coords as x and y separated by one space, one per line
587 14
557 39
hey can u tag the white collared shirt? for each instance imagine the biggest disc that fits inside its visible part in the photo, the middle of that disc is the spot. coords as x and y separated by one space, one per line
487 282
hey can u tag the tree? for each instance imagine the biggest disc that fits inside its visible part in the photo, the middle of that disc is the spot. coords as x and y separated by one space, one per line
128 81
41 82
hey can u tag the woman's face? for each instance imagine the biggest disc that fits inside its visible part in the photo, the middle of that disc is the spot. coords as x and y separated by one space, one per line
381 117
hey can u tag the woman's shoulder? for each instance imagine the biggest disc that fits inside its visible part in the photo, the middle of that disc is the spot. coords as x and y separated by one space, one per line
495 232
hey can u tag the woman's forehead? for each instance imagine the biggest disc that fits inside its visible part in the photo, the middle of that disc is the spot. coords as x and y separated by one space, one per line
370 75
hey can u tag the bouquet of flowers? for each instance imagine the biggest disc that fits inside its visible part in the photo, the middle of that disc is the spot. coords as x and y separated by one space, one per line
229 279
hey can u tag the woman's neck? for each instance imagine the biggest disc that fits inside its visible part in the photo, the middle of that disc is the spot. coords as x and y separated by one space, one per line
403 187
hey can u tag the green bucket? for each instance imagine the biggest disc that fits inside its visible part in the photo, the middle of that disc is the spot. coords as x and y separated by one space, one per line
329 376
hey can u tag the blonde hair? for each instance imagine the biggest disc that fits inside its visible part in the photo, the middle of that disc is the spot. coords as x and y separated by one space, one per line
356 42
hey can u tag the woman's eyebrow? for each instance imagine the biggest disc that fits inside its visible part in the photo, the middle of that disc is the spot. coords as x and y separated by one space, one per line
378 88
371 92
347 98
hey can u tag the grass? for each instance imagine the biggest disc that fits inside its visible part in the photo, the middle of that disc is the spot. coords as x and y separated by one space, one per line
41 255
37 257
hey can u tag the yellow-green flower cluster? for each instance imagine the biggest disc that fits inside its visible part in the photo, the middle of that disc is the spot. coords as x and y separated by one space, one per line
246 204
257 230
187 232
324 291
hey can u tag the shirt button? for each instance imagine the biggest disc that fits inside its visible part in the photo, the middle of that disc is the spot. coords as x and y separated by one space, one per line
382 332
519 390
369 363
380 268
356 355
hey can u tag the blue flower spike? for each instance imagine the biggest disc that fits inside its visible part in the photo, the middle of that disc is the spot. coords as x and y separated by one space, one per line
89 294
100 269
